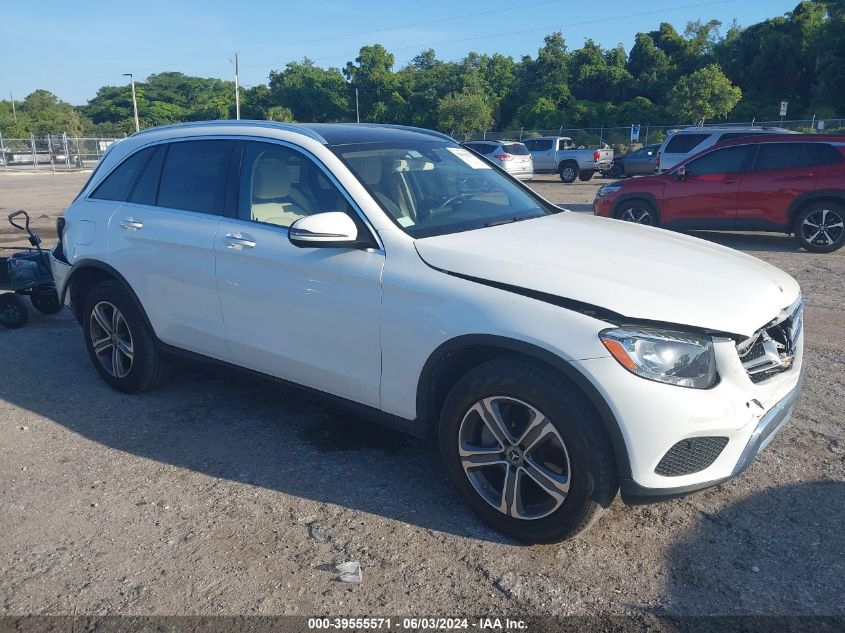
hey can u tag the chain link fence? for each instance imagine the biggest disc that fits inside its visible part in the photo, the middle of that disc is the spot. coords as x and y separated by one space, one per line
55 152
620 138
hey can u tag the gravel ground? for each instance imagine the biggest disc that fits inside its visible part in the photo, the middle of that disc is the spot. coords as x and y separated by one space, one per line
222 494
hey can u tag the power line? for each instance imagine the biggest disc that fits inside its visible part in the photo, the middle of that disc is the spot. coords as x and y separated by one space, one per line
519 32
371 31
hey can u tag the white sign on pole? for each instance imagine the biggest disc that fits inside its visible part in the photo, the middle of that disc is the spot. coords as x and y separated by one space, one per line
635 132
783 105
821 125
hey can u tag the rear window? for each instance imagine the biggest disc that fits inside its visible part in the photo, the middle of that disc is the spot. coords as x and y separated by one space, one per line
194 176
517 149
784 156
684 143
482 148
118 184
541 145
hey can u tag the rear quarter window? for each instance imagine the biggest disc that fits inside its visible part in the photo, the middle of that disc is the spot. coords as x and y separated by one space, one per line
120 182
684 143
827 154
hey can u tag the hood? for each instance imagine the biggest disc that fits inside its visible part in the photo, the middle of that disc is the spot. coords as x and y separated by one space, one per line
637 271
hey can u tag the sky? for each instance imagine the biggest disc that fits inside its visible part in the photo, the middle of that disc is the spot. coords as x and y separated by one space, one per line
74 48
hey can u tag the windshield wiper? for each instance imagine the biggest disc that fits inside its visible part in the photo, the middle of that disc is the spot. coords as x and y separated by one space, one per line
508 220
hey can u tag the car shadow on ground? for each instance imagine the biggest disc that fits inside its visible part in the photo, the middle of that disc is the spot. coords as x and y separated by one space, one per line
752 242
777 552
227 424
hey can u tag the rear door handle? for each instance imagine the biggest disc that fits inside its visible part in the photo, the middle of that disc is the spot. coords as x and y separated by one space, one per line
239 241
131 224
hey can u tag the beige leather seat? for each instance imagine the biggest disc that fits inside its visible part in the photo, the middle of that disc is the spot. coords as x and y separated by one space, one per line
274 200
370 170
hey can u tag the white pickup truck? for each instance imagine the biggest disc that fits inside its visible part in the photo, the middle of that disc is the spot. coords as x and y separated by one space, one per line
557 154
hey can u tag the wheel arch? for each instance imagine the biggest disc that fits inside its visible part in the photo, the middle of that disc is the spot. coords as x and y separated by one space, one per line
87 273
456 356
568 161
648 197
809 197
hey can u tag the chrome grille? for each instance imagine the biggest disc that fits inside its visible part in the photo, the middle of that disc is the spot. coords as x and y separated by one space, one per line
771 349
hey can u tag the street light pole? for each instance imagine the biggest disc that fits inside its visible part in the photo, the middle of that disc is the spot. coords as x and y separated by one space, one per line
237 89
134 101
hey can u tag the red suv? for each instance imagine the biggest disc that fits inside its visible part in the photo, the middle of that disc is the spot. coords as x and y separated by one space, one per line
780 183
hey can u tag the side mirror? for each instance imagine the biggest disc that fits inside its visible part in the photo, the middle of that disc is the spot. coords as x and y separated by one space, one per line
681 173
333 229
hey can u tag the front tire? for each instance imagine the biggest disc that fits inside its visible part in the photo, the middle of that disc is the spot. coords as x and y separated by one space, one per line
119 342
568 172
820 227
526 451
638 212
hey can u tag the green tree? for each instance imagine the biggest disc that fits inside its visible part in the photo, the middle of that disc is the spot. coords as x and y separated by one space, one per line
311 93
461 113
705 94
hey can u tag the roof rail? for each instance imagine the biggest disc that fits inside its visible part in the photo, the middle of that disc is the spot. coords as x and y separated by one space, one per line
290 127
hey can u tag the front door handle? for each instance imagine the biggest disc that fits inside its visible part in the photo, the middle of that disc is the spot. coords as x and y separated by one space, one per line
239 241
131 224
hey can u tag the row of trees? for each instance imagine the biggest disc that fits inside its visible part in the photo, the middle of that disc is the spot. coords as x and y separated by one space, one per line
666 77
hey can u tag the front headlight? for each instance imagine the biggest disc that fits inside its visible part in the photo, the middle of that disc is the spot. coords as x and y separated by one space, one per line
607 189
676 358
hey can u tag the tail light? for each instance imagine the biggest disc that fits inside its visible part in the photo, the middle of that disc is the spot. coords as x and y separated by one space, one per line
503 156
596 155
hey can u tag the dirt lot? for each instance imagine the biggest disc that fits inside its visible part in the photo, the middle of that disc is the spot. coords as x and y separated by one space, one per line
221 494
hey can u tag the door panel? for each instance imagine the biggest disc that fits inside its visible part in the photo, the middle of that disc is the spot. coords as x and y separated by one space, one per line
167 256
308 315
311 316
782 172
707 196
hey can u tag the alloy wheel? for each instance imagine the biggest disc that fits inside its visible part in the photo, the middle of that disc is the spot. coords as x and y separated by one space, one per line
568 173
823 227
514 457
637 215
111 339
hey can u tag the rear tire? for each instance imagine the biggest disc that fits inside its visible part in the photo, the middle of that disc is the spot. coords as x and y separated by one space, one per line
638 212
568 172
586 175
820 227
13 312
119 341
568 451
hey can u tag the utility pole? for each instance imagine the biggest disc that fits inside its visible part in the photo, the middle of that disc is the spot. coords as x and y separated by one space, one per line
134 101
237 90
14 114
357 112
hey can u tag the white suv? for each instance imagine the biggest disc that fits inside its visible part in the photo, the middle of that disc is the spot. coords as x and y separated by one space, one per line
558 357
681 144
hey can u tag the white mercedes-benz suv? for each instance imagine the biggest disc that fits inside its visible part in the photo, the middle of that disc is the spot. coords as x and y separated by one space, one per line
557 357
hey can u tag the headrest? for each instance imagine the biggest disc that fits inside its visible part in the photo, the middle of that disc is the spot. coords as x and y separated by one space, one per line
368 168
270 179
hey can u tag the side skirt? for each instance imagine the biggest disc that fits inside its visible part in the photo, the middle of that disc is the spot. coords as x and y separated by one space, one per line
415 428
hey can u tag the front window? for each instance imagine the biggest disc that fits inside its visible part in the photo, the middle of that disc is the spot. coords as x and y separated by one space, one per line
435 187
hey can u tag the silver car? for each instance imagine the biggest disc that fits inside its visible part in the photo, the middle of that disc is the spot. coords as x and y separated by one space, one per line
511 156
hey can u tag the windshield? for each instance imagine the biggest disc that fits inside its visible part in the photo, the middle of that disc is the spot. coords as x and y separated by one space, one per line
436 187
